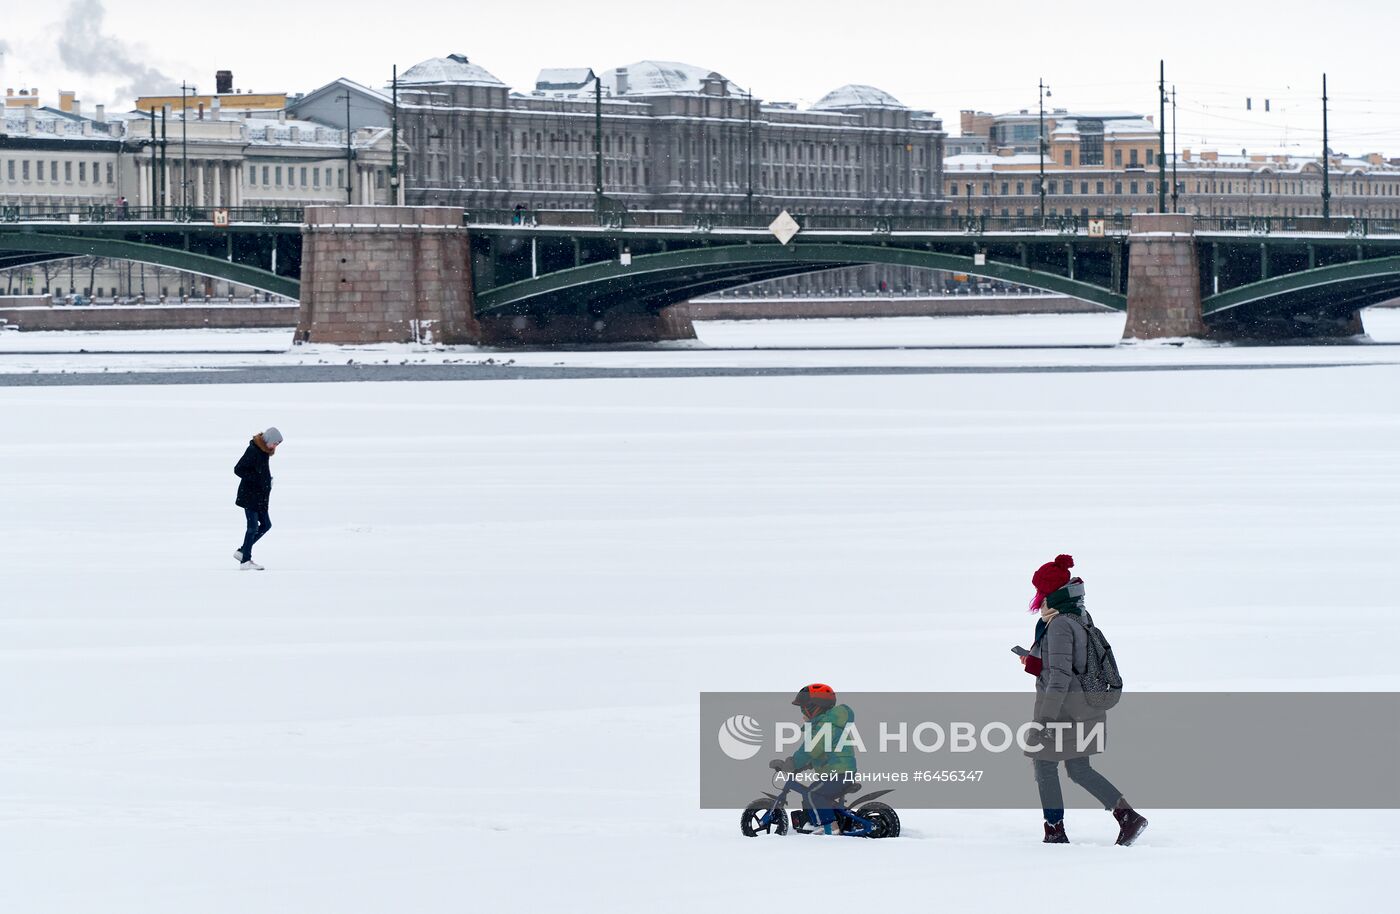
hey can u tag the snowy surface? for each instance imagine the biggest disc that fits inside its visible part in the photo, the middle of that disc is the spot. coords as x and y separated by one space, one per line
469 678
1019 341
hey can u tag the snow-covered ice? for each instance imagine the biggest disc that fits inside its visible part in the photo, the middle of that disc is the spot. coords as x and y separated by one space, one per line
469 679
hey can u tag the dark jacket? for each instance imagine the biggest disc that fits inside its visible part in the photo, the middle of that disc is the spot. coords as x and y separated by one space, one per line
255 478
1063 649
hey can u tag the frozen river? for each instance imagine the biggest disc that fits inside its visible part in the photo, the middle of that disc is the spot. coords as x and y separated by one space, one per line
469 678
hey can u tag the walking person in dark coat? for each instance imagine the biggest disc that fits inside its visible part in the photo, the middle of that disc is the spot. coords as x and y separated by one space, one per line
254 490
1057 658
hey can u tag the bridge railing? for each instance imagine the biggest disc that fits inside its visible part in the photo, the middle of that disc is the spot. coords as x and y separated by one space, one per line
874 223
112 212
1351 226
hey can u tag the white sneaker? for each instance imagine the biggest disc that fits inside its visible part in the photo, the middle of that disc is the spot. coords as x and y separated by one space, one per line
250 565
238 556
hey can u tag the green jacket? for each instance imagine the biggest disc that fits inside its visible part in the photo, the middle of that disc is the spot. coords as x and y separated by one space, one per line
825 756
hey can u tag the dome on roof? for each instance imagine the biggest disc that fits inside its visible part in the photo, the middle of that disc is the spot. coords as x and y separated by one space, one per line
663 77
454 70
856 97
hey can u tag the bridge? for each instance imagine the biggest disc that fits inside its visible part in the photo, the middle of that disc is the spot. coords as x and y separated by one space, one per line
519 278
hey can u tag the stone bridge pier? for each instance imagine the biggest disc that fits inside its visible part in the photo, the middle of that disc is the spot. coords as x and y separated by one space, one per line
1164 278
403 274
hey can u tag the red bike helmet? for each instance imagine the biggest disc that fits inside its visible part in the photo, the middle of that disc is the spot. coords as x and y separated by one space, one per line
815 698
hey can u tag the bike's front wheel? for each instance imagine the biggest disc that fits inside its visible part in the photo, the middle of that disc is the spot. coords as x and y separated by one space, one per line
751 821
885 818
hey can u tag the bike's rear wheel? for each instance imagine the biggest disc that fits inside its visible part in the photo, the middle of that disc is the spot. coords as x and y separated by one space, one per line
750 821
885 818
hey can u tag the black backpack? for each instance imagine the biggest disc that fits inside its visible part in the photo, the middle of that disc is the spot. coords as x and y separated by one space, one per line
1101 681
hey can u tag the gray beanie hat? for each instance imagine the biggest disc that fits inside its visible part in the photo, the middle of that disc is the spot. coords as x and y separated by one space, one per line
272 437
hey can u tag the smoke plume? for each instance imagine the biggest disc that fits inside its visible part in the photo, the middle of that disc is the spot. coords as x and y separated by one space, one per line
84 49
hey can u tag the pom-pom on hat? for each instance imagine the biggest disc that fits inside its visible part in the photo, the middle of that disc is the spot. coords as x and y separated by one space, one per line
1049 578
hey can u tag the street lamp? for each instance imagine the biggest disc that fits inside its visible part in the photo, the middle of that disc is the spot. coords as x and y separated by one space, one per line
349 153
597 144
394 142
749 153
185 146
1044 94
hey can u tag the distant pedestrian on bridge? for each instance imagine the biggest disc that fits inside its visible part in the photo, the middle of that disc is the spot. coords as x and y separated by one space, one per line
254 491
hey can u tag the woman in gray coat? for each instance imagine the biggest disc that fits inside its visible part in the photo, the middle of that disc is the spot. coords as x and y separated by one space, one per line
1056 660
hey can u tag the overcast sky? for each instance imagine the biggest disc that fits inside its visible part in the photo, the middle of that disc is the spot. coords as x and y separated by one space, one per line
939 56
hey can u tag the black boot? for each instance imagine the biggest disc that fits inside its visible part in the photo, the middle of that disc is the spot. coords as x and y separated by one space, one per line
1130 823
1055 834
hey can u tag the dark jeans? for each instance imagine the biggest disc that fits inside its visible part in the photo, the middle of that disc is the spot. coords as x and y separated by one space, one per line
823 801
1047 778
258 525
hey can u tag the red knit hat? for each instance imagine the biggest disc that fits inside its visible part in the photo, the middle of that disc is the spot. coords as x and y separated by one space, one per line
1050 577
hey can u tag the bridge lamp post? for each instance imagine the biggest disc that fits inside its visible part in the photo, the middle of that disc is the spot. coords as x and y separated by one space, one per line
1044 94
185 145
748 107
349 152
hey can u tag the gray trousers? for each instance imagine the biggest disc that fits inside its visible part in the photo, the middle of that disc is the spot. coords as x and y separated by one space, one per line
1047 779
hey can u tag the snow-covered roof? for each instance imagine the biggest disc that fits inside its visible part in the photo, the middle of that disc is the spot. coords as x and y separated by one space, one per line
51 123
564 78
855 96
341 84
984 162
452 70
664 77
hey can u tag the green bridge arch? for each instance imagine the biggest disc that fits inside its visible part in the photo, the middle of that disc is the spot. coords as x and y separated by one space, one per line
1338 288
672 276
174 258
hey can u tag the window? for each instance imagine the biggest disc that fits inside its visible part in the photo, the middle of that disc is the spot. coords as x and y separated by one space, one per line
1098 188
303 176
53 171
1090 142
1149 156
39 171
10 170
1132 156
82 171
1054 187
340 177
264 180
1084 187
1133 187
1020 188
1117 157
109 173
1069 157
316 177
1004 188
1117 187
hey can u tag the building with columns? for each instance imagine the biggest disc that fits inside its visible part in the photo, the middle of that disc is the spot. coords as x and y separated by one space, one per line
674 136
202 155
